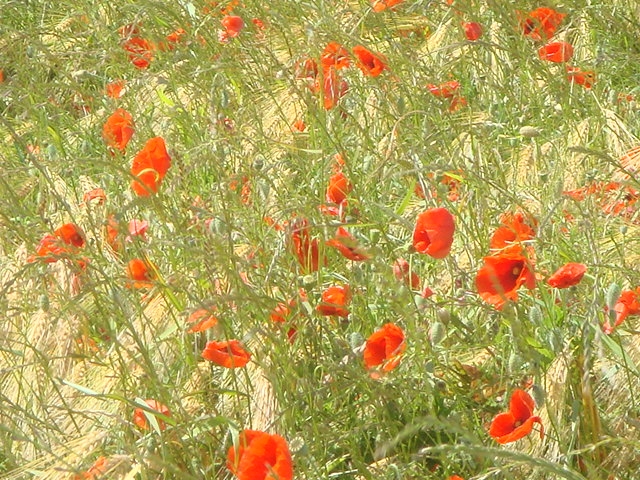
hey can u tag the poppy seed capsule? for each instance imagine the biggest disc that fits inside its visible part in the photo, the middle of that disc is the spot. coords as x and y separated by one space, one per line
529 132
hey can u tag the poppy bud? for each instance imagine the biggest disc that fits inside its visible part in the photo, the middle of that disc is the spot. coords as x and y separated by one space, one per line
444 316
437 333
515 362
529 132
538 394
613 293
535 315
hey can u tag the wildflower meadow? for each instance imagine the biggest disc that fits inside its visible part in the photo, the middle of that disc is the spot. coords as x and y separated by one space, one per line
319 239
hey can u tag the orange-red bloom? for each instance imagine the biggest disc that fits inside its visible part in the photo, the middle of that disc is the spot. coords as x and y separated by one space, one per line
260 456
381 5
433 233
518 421
115 89
502 275
118 129
384 348
445 90
348 246
229 354
515 228
335 300
371 64
557 52
334 87
306 249
338 189
628 303
150 166
202 320
568 275
140 415
96 470
542 23
336 56
140 51
140 274
232 25
64 240
472 30
585 78
402 271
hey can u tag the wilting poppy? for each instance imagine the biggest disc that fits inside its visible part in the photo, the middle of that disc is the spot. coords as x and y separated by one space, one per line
71 234
334 87
63 241
515 228
232 25
472 30
260 456
518 421
384 348
150 166
140 51
502 275
229 354
347 245
433 233
97 194
402 271
140 415
334 301
445 90
628 303
381 5
118 129
140 274
585 78
335 56
202 320
556 52
371 64
567 276
542 23
115 89
306 249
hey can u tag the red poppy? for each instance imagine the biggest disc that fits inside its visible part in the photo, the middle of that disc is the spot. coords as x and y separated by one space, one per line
71 234
140 274
63 241
150 166
515 228
585 78
455 477
556 52
542 23
338 189
202 320
384 348
628 303
371 64
260 456
96 471
118 129
472 30
381 5
95 194
567 276
348 246
140 51
229 354
402 271
232 25
433 233
445 90
306 249
334 88
335 56
335 300
307 70
115 89
518 421
140 415
502 275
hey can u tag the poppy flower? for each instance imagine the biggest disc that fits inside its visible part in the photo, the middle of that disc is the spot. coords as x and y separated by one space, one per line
584 78
557 52
334 88
202 320
140 52
567 276
334 301
96 471
306 249
433 233
118 129
515 228
140 274
371 64
63 241
628 303
472 30
347 245
229 354
232 25
140 415
402 271
307 70
95 194
150 166
541 23
335 56
445 90
384 348
338 189
381 5
71 234
455 477
260 456
115 89
499 279
518 421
